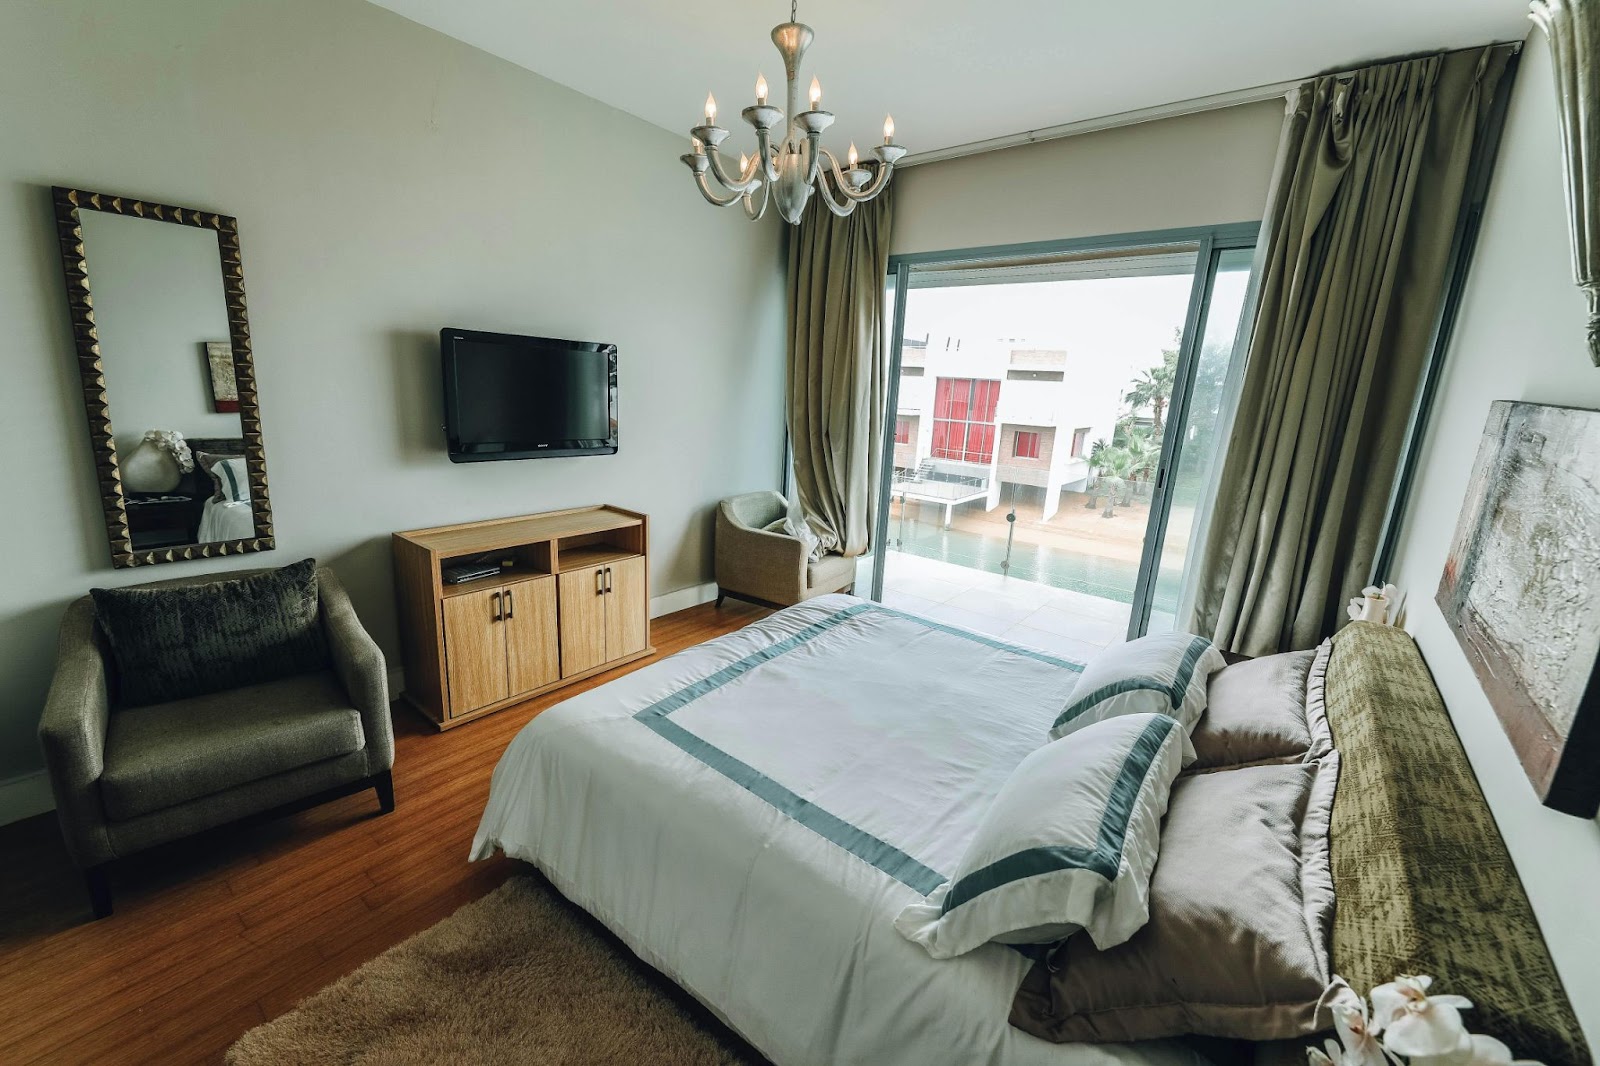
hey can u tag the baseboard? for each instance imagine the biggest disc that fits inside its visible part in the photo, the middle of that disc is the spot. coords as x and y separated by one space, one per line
24 796
683 599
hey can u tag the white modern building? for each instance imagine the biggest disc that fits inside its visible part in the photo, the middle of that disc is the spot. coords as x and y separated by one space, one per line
1000 421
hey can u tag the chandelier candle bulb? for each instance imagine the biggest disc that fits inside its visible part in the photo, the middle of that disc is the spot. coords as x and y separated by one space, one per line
711 110
816 93
761 89
888 129
853 156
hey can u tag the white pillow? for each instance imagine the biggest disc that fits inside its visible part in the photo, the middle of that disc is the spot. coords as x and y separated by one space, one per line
1067 844
1163 674
231 480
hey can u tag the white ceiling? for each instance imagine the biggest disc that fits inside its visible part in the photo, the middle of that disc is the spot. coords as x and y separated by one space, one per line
951 71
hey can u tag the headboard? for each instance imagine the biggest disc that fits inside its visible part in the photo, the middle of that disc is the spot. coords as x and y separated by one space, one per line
1422 877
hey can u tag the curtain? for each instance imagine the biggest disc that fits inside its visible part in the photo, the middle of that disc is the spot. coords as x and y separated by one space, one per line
1359 232
838 368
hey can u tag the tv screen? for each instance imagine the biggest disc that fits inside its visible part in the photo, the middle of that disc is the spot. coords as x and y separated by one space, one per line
513 397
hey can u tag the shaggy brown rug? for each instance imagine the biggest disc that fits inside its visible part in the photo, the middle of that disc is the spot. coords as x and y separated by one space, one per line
520 976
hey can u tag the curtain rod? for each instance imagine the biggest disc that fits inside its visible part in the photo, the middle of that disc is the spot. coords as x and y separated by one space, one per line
1177 109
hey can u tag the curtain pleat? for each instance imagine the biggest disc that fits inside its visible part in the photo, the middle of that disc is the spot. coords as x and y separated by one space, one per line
838 368
1361 222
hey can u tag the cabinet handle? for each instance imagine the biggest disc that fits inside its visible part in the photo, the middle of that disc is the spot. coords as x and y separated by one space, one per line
495 600
600 582
608 580
511 605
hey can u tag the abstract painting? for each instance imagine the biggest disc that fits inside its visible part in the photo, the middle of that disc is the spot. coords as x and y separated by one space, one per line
1521 590
224 389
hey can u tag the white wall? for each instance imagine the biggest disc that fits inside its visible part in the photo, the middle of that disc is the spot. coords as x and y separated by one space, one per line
1197 170
388 181
1520 337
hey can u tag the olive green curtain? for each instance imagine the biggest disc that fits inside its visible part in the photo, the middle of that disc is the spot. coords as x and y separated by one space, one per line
838 368
1359 232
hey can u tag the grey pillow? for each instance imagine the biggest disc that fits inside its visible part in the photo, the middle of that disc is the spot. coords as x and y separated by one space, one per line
1241 921
187 640
1260 711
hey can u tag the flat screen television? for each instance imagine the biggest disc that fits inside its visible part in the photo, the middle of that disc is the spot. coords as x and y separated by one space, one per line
513 397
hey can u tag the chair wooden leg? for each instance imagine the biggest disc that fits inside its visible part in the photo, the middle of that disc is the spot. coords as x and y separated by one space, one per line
98 881
384 786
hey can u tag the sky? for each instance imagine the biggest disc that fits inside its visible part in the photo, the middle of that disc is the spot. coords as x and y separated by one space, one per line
1128 320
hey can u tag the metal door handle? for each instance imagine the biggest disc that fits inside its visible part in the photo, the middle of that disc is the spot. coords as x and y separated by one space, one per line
600 582
511 605
494 599
608 579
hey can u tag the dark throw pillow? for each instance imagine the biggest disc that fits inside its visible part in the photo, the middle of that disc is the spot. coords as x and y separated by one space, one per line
189 640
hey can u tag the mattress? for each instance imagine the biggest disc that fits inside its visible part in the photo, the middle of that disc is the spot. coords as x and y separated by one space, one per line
750 815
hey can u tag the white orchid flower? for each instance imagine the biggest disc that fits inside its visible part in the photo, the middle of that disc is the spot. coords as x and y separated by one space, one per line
1356 1033
1416 1024
1479 1050
1332 1057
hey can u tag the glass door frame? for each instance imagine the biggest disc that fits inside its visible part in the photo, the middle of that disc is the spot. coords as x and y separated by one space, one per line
1209 242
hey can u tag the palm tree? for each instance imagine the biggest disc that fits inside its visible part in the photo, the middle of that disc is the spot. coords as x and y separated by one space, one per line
1144 455
1118 465
1153 387
1097 455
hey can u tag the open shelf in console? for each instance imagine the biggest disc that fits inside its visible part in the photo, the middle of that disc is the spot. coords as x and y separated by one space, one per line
581 551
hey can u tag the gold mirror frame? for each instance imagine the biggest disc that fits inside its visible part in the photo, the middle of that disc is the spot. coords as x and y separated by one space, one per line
96 403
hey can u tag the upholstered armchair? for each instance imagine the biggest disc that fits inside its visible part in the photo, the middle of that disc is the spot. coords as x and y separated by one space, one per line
126 779
768 567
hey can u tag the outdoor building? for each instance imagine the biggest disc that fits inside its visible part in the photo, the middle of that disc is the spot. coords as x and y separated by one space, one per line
1000 421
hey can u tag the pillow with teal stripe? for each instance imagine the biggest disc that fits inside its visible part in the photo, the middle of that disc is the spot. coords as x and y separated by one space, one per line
1162 674
1068 843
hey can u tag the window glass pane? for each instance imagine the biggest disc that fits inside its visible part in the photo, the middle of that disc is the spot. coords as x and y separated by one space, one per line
1205 432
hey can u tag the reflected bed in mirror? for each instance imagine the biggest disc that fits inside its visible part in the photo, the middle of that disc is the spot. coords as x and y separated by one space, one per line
156 294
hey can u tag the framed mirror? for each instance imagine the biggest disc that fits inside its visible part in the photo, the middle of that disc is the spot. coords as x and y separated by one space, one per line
156 295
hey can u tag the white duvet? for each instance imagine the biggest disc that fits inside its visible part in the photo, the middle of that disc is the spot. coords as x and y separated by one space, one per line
750 815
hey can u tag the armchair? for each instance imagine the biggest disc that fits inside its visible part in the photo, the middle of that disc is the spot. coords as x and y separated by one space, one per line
767 567
126 780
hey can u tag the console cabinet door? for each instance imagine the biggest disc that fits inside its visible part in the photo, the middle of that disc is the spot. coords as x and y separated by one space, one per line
583 620
475 651
627 608
532 643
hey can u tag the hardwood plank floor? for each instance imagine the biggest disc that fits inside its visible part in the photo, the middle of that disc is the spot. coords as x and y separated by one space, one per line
218 933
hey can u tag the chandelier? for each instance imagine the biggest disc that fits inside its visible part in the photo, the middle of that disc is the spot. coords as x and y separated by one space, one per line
788 170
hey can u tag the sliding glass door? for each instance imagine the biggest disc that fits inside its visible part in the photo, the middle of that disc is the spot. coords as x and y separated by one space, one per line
1040 395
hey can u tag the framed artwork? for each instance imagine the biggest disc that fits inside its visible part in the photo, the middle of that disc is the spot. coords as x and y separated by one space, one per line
1521 590
224 389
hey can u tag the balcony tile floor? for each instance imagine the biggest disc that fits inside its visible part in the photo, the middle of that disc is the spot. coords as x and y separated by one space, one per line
1065 623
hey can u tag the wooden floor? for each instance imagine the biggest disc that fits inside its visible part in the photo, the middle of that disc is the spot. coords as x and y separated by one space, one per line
214 935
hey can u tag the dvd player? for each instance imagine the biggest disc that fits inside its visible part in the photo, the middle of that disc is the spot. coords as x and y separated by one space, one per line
463 572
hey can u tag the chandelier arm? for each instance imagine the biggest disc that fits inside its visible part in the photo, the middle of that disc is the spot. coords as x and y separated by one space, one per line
767 155
754 214
872 189
742 184
711 196
826 188
814 166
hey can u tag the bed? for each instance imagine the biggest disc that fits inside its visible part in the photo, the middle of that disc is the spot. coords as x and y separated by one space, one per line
750 815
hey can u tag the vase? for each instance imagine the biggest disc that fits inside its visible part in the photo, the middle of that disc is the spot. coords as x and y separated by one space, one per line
150 468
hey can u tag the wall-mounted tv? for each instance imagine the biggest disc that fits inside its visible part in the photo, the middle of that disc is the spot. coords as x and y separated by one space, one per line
513 397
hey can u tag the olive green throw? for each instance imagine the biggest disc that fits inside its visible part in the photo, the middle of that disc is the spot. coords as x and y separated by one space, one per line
838 368
1422 879
1371 177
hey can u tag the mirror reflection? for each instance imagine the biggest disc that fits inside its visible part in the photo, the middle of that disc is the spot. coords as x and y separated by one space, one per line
161 317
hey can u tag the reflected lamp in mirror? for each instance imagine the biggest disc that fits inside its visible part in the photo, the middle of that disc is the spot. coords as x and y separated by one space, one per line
173 417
